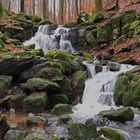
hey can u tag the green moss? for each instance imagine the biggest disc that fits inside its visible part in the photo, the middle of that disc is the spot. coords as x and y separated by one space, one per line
56 138
127 88
96 17
41 84
44 22
112 134
82 131
87 56
36 18
102 34
35 103
1 44
2 36
62 109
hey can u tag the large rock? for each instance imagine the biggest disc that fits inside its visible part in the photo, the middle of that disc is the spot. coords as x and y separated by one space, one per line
35 103
53 74
62 109
16 63
121 114
114 66
82 131
112 134
15 135
127 89
5 82
41 84
4 127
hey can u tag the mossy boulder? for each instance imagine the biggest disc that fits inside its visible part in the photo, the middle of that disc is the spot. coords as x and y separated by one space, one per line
4 127
36 18
53 74
62 109
15 135
40 84
65 119
5 82
16 101
35 103
78 83
127 89
83 17
57 99
82 131
110 133
121 114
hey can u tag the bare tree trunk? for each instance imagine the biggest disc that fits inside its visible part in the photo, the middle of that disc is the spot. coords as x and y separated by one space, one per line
22 6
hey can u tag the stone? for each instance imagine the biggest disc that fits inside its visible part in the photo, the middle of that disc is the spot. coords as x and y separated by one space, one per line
90 38
112 134
122 114
53 74
15 135
82 131
114 66
41 84
62 109
127 89
35 103
65 119
78 83
5 82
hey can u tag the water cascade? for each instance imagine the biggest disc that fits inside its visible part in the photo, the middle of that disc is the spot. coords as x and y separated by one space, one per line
51 37
98 93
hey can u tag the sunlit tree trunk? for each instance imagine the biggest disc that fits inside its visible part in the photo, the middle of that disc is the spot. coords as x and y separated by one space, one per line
61 10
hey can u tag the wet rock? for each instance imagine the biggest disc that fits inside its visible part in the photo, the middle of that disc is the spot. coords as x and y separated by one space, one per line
90 38
15 135
4 127
5 82
62 109
82 131
35 103
112 134
121 114
78 83
114 66
98 68
65 119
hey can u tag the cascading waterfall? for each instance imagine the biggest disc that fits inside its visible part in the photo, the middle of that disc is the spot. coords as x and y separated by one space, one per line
98 93
51 37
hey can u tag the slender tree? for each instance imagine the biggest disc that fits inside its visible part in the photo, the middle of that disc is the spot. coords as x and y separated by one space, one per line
22 6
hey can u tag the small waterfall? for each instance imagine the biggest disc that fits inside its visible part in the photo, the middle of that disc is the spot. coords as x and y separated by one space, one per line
51 37
98 93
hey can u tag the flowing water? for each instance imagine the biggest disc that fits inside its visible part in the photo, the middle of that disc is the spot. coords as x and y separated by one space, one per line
51 37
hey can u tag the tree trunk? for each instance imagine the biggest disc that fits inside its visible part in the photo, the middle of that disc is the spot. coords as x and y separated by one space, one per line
22 6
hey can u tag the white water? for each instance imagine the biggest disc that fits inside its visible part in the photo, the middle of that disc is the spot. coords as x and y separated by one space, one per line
49 37
96 93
